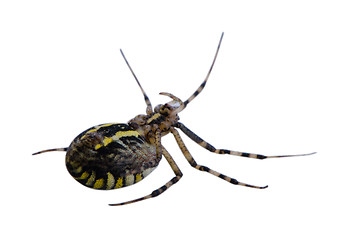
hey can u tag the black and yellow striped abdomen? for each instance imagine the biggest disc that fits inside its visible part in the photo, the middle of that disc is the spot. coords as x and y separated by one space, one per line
110 156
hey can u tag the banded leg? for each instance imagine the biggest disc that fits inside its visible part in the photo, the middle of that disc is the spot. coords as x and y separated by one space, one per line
146 98
193 163
158 146
203 84
157 192
210 148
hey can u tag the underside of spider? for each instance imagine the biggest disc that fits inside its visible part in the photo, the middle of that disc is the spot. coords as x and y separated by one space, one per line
111 156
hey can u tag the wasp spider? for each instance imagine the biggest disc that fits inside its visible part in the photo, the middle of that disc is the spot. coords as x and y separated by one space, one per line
114 155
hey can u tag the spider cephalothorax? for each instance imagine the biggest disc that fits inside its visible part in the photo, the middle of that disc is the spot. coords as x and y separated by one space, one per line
164 117
115 155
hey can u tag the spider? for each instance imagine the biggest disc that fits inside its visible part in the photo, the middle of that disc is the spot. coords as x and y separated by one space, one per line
111 156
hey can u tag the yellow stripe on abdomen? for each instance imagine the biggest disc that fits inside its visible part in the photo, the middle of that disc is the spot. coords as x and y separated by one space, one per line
84 175
138 177
119 183
110 183
91 180
99 183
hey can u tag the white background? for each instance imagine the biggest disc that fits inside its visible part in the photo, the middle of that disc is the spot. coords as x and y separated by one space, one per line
282 84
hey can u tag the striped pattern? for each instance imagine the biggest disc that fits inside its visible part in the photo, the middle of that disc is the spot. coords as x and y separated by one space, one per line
118 135
109 129
157 192
210 148
193 163
110 156
110 181
203 84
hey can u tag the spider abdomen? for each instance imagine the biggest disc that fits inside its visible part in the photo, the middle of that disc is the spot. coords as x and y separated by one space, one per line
110 156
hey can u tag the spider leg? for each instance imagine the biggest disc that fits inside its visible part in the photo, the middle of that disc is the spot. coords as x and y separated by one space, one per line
158 145
51 150
203 84
193 163
146 98
157 192
210 148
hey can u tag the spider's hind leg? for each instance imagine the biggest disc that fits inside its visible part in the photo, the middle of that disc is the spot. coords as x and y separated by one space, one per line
157 192
51 150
